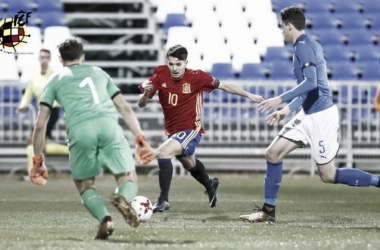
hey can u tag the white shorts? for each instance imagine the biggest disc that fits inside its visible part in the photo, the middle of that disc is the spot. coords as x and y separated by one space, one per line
319 129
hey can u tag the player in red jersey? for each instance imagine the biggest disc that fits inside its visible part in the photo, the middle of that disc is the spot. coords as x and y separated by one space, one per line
180 92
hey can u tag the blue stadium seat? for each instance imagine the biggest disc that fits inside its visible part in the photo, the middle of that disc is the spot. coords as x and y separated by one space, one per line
337 53
174 20
370 71
9 93
371 7
354 94
10 112
322 21
231 114
329 37
206 96
359 37
321 7
281 70
365 53
375 23
347 7
262 90
13 6
222 71
52 18
49 5
352 21
277 54
253 71
343 70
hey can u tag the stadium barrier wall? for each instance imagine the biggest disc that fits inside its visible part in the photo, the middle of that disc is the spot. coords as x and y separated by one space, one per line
236 134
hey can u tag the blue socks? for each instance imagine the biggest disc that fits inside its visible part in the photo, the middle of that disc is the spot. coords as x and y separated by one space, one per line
272 182
199 173
165 174
355 177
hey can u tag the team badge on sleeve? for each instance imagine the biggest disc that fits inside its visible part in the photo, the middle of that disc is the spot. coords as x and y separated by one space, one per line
215 82
186 88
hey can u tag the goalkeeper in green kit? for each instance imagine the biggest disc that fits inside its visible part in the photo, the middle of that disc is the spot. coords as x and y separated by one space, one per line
89 97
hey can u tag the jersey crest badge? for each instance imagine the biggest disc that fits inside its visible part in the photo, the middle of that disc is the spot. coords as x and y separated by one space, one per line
164 85
186 88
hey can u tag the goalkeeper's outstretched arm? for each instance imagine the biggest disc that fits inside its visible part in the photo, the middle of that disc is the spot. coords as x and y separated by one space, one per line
40 129
128 115
144 153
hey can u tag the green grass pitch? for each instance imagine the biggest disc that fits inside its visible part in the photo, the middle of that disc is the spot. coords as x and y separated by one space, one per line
310 215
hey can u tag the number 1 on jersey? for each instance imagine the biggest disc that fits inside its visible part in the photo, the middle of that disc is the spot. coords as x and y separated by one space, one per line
89 81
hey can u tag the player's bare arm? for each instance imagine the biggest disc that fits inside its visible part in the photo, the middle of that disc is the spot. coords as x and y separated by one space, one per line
40 129
144 97
270 104
128 115
233 89
274 118
144 153
39 173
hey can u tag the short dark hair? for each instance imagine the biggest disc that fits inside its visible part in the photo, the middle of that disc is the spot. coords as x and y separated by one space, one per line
177 51
46 51
71 49
293 15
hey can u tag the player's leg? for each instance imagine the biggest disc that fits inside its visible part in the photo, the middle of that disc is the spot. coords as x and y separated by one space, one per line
348 176
274 154
324 141
115 154
289 138
127 185
124 194
84 167
165 153
92 201
198 171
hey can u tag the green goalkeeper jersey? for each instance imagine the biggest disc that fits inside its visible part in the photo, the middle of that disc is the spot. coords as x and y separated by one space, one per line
85 92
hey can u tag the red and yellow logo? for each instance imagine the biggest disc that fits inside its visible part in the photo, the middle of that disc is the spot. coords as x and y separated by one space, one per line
13 31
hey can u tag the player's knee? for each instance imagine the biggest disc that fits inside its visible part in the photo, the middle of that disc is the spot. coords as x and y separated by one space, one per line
83 185
162 155
271 155
126 177
327 177
188 165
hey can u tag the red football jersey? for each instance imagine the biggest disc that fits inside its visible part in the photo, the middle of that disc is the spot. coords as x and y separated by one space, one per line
182 100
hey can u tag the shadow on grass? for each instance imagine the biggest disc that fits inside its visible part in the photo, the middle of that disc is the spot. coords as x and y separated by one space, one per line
144 242
152 242
73 239
213 218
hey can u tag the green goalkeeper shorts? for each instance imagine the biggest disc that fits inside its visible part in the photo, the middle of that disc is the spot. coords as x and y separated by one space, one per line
98 143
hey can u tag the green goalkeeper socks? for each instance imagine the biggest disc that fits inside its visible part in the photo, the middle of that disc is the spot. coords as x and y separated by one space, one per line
94 204
128 190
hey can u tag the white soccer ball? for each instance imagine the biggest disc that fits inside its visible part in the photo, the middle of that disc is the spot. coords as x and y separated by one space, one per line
143 207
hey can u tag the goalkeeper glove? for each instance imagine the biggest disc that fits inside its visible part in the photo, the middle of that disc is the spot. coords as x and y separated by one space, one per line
39 173
143 152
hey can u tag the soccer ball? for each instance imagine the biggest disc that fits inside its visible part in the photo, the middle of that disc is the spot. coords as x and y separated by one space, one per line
143 207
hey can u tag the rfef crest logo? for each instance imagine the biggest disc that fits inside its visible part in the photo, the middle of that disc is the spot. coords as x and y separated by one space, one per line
13 31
